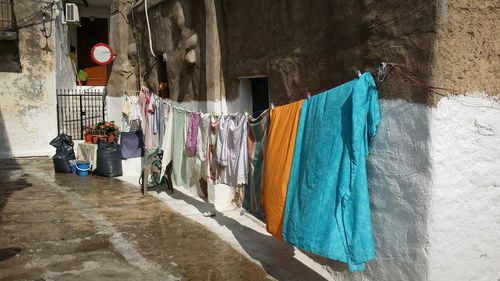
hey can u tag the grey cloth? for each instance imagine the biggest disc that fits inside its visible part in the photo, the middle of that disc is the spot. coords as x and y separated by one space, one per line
132 144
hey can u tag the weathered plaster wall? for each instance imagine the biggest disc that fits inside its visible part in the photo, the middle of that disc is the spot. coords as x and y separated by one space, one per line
467 46
27 98
314 45
465 210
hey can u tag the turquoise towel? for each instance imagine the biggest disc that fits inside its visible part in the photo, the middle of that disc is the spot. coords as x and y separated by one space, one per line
327 208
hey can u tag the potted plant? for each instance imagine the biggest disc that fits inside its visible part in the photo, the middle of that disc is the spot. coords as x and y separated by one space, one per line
112 131
88 134
107 130
82 77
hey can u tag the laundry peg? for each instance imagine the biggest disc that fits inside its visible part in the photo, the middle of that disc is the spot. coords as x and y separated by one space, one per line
308 95
272 105
358 72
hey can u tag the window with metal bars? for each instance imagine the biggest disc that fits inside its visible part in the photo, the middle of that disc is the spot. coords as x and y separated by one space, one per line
9 43
6 15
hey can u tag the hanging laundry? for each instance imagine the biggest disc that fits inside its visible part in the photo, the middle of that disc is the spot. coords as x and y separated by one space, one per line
160 120
202 144
167 138
179 171
327 207
221 147
257 140
192 133
212 166
185 170
154 112
147 111
232 149
277 163
237 150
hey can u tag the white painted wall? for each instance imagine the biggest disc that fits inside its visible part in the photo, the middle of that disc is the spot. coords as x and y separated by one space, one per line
434 185
465 211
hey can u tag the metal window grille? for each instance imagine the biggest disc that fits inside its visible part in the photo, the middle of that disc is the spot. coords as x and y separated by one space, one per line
77 109
6 15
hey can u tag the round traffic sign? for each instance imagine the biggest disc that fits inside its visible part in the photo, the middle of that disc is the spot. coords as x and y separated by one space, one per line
102 54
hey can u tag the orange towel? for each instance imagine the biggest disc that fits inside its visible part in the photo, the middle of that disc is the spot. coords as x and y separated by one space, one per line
277 164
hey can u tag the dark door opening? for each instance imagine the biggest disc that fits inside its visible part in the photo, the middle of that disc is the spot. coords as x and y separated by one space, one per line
260 95
91 32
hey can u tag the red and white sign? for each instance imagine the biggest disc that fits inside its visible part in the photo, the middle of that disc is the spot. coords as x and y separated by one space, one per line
102 54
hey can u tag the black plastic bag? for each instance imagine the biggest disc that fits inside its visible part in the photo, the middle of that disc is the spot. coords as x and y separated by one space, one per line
109 159
64 152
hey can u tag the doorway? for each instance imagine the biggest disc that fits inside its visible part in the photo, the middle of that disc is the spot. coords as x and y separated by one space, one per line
260 95
90 32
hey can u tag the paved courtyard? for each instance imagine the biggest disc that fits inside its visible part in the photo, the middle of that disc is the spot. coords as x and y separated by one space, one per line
64 227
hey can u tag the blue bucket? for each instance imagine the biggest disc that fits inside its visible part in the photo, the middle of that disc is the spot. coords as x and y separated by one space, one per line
83 168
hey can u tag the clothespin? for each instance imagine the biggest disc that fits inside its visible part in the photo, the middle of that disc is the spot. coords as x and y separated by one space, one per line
272 105
358 72
381 71
308 95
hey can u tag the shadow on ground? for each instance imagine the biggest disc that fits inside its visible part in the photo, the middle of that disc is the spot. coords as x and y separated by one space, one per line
247 237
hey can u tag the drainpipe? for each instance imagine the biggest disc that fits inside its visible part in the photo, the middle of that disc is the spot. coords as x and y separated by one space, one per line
149 28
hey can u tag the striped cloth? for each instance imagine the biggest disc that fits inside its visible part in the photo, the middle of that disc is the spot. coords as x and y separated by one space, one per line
257 138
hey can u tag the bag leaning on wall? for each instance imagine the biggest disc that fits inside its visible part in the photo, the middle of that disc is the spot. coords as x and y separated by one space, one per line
64 152
109 160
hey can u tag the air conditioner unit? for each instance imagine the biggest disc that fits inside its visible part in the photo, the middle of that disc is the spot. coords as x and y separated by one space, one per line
72 16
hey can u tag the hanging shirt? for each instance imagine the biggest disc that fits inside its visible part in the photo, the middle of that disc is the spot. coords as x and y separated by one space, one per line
257 140
192 133
236 147
277 164
327 208
221 146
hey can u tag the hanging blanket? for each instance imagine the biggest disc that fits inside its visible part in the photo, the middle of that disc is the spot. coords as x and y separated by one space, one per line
277 163
327 207
257 140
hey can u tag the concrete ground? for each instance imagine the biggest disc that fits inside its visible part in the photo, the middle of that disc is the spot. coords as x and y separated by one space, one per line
65 227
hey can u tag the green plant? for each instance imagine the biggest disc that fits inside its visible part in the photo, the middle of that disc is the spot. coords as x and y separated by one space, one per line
82 75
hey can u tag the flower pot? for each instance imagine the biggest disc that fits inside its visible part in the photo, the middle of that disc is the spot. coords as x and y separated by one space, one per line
95 138
111 138
88 138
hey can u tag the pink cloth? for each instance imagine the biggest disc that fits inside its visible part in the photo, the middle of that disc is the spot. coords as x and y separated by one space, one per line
145 102
192 133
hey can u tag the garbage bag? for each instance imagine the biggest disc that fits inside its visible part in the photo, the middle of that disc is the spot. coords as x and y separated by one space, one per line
109 159
64 152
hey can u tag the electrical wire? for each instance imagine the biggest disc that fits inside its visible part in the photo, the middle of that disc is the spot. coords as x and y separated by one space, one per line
408 76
